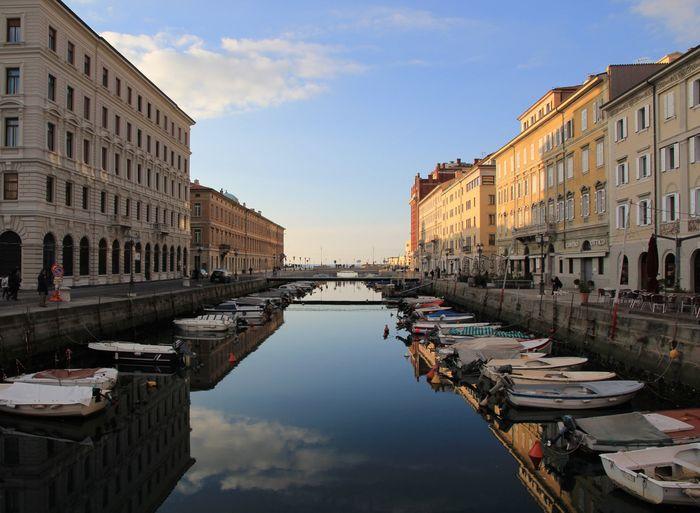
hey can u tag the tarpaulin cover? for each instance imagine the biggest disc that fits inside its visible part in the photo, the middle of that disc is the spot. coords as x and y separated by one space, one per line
626 428
28 393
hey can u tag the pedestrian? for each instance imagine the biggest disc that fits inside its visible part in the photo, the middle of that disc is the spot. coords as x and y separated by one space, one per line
556 284
4 284
42 287
432 274
13 283
250 270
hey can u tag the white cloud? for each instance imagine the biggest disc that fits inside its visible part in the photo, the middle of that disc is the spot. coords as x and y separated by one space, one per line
243 454
681 17
241 74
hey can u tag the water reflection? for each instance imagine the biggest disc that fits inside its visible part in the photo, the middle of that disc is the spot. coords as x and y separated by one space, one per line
125 459
345 291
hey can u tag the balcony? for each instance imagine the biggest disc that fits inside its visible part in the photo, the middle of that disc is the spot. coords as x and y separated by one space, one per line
162 228
672 228
120 221
694 225
533 230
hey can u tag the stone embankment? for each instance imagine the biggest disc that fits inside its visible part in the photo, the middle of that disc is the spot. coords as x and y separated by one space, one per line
641 347
36 331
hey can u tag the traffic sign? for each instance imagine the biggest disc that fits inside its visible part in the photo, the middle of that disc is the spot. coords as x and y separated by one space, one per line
57 270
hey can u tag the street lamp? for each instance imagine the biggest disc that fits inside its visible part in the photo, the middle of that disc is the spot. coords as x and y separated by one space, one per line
479 251
542 238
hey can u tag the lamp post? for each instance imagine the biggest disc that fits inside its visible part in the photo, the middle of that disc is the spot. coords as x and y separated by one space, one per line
543 238
479 251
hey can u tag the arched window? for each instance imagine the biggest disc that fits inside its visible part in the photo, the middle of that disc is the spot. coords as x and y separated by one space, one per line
11 251
156 258
165 258
128 256
102 257
179 259
137 258
68 255
670 270
115 257
49 251
625 274
172 258
184 260
586 246
84 256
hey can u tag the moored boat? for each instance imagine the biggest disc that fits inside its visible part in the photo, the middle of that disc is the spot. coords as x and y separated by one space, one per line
560 362
208 322
139 354
104 377
529 377
659 475
50 401
573 396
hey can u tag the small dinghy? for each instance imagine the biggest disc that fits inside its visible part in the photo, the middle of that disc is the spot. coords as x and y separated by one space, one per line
573 396
209 322
659 475
531 377
47 401
427 326
541 363
103 378
448 319
432 310
473 331
140 354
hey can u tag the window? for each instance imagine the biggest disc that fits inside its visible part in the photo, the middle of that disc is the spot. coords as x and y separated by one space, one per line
600 201
12 81
86 198
128 131
51 136
598 111
492 239
86 151
569 167
644 212
138 173
694 149
550 175
69 145
669 105
571 265
668 155
118 86
127 207
86 107
197 235
599 153
622 217
670 208
105 77
643 168
10 186
128 169
642 119
117 163
569 129
14 30
585 204
138 137
116 205
70 94
148 143
49 189
139 103
86 65
197 210
560 211
52 88
70 53
492 219
694 93
52 39
117 124
11 132
148 110
584 120
69 194
128 95
584 160
601 265
103 201
105 114
695 202
560 171
621 173
570 209
621 129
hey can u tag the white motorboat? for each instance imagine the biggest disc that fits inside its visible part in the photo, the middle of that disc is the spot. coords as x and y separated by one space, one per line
447 319
659 475
134 353
103 378
424 327
559 363
530 377
432 310
573 396
420 299
50 401
209 322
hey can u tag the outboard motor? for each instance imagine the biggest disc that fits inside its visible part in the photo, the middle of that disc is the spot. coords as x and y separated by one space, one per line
567 431
504 369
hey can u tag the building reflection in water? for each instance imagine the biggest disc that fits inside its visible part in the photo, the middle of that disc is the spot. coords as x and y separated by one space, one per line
214 353
562 483
125 459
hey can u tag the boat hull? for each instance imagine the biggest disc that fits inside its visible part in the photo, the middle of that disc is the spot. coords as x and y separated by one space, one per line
63 410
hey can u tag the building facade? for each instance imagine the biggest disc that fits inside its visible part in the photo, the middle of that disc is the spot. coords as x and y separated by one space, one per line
468 224
95 158
655 165
227 234
430 247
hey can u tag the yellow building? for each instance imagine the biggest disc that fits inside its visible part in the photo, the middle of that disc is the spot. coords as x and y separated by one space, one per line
468 227
552 182
430 244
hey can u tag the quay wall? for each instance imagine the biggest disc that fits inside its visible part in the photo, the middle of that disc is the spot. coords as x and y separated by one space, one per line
641 348
39 331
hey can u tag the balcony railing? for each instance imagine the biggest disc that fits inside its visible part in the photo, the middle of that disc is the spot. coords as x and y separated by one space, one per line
161 227
120 221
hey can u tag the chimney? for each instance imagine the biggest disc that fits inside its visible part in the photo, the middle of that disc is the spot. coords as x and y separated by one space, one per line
459 161
196 181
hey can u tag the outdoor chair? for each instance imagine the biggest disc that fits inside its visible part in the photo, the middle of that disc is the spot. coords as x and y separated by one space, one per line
601 295
689 302
657 301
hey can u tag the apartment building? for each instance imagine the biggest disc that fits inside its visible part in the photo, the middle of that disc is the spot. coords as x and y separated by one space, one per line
469 220
95 158
227 234
655 165
552 182
431 246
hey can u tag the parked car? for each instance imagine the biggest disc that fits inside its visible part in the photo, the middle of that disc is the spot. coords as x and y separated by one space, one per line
221 276
203 274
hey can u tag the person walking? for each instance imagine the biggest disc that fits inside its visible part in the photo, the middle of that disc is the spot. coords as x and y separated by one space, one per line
13 283
5 285
42 287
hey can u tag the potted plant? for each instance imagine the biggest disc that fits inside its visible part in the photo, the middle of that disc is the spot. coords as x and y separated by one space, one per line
584 287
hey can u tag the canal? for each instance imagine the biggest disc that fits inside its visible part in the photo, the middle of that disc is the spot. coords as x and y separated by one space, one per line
316 411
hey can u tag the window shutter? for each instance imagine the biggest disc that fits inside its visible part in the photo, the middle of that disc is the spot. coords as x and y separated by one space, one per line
691 99
671 104
664 213
617 131
636 120
646 116
662 159
639 167
676 155
693 193
691 149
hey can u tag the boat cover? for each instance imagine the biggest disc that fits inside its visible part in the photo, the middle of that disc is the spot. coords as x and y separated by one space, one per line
131 347
484 331
485 349
18 394
626 428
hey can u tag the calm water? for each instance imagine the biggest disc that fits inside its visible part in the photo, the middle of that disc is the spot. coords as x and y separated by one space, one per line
314 412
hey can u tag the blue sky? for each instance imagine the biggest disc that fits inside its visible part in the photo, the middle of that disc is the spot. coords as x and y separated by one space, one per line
320 113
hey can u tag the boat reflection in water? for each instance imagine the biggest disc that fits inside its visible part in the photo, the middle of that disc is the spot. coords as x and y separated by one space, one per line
217 355
562 483
127 458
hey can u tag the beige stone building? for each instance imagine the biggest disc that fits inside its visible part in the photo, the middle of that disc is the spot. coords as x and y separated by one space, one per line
655 165
431 246
227 234
468 227
95 158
